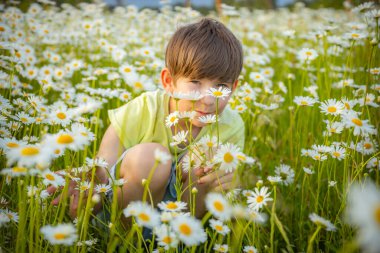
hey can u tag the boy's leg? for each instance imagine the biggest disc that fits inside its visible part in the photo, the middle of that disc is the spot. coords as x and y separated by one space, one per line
136 166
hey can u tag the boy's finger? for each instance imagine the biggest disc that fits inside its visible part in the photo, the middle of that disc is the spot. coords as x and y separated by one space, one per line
213 176
74 199
51 189
56 201
199 172
221 180
224 187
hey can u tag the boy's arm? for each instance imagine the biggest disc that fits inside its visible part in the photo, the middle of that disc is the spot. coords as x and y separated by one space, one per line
110 149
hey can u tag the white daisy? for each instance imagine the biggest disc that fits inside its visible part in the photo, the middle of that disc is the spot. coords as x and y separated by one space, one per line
162 157
179 138
286 173
221 92
361 127
51 178
227 157
207 119
61 234
166 237
102 188
219 227
338 152
307 55
220 248
318 220
189 230
218 206
259 198
172 119
332 107
317 156
144 214
172 206
304 101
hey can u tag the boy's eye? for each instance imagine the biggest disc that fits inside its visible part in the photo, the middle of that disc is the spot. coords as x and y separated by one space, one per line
223 85
195 81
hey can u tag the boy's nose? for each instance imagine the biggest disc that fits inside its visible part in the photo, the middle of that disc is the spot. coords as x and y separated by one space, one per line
208 100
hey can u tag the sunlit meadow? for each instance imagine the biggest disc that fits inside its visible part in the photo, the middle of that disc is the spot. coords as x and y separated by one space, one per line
308 94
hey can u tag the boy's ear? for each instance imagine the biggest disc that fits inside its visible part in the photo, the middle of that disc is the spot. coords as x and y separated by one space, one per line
167 80
234 85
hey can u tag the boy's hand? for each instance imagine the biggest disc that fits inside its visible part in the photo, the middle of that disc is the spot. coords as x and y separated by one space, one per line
217 180
73 194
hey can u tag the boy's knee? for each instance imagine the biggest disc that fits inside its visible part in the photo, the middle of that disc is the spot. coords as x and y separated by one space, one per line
140 160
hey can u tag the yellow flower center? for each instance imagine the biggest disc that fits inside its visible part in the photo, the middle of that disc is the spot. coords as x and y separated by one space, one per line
171 205
30 151
347 105
304 103
172 119
185 229
24 120
209 144
217 93
218 206
2 29
336 154
259 199
19 169
65 139
138 85
61 115
127 70
367 145
357 122
60 236
218 228
331 109
308 53
332 130
144 217
167 239
84 187
126 96
50 177
12 145
355 35
228 158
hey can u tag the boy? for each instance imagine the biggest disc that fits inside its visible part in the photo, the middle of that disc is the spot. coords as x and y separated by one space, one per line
198 57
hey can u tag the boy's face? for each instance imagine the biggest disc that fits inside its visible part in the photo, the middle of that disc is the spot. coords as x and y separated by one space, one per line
204 106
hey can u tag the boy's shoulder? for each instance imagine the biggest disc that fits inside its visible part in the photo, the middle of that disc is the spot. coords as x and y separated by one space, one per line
149 98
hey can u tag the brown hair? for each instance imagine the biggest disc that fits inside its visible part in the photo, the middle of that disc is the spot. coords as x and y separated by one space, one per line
206 49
